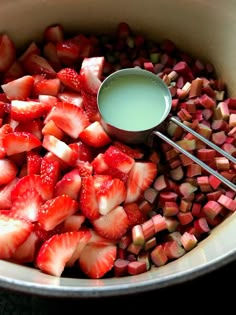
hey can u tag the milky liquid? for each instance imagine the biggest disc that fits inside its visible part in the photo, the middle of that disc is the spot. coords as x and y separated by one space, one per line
134 102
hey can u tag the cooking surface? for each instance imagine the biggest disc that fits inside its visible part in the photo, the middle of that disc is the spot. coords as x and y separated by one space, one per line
211 290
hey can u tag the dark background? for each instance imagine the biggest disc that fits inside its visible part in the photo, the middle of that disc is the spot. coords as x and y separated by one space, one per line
208 294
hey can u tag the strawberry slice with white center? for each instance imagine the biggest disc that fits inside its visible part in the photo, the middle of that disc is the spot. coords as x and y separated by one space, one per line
13 232
97 259
94 135
140 178
113 225
18 89
18 142
89 82
8 171
28 110
115 158
57 251
87 198
71 97
60 149
69 184
46 87
110 194
95 64
5 194
27 205
55 211
70 78
7 52
69 117
73 222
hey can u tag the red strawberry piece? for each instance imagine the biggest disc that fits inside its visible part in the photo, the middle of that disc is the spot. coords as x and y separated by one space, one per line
134 153
98 239
85 152
115 158
27 205
28 110
25 253
50 53
140 178
70 78
99 164
71 97
90 105
35 64
60 149
46 87
54 33
7 52
33 162
85 168
97 259
85 238
48 99
32 126
17 142
19 89
85 44
32 49
113 225
87 198
94 64
55 211
13 232
8 171
99 179
15 71
73 222
95 135
50 172
56 252
68 51
89 82
5 194
111 194
69 184
50 128
28 182
134 213
70 118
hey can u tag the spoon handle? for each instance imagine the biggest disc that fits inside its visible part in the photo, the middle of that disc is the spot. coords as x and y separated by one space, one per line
196 160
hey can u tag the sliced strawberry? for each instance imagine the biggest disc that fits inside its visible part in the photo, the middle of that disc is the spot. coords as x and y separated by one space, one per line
134 153
28 110
110 194
70 118
5 194
7 52
8 171
140 178
34 160
60 149
95 64
85 168
46 87
100 179
113 225
70 78
50 128
19 89
134 213
56 252
32 49
69 184
71 97
35 64
85 238
28 182
14 72
13 232
87 198
68 51
97 259
50 53
27 205
32 126
55 211
50 172
73 222
85 152
89 82
17 142
90 105
115 158
54 33
95 135
99 164
86 45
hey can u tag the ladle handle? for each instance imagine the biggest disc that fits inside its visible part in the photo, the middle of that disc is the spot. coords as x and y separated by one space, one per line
204 140
196 160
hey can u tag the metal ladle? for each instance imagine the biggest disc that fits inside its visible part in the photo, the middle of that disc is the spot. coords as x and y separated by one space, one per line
140 135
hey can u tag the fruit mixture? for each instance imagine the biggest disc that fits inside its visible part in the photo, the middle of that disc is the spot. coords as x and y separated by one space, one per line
73 199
